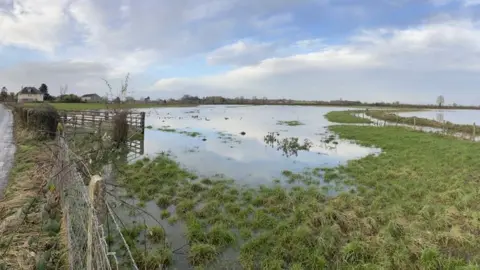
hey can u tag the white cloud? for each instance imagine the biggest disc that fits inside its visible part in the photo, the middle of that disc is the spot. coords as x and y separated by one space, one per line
242 52
35 24
412 65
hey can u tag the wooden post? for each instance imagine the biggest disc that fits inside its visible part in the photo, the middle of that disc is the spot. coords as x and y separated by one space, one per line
396 123
414 122
83 118
473 137
106 115
92 190
142 122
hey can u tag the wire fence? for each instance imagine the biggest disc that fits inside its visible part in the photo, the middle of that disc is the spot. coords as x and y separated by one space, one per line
84 209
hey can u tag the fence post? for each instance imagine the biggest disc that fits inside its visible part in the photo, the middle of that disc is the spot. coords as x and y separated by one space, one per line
142 122
83 118
414 122
93 188
473 137
396 122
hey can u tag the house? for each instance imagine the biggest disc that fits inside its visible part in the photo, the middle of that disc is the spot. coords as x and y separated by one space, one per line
29 94
91 98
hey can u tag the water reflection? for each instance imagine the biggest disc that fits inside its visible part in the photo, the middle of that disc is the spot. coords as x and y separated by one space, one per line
464 117
233 140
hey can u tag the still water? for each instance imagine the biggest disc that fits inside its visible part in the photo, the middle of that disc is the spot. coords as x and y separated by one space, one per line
220 147
465 117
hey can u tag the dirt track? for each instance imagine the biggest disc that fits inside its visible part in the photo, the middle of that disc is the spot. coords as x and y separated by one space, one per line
7 147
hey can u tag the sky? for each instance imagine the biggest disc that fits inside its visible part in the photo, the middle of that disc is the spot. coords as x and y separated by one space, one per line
369 50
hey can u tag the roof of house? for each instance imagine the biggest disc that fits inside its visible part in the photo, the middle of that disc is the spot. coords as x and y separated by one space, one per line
30 90
91 95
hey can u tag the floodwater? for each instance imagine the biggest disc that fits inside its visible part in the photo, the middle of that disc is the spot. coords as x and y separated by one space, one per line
464 117
7 147
220 147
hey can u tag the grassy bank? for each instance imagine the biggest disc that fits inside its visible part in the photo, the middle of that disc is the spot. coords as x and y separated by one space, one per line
415 206
28 232
391 116
346 117
103 106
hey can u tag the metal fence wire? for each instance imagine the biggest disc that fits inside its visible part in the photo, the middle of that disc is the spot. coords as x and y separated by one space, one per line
81 206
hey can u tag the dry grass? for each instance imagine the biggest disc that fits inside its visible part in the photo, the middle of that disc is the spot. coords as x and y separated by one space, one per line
21 235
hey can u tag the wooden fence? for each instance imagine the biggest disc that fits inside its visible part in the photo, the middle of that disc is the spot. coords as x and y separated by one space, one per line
96 119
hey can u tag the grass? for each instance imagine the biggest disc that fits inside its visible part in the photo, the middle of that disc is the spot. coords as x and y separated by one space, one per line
346 117
414 206
103 106
290 123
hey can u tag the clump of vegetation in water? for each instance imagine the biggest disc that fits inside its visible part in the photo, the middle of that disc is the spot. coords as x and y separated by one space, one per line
166 129
347 117
289 146
290 123
184 132
413 206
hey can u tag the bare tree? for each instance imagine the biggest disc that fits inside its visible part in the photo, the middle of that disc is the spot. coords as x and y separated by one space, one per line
63 90
440 100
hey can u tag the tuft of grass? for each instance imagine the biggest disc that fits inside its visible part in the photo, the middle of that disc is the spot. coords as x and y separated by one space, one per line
201 254
220 236
163 201
156 234
165 214
172 220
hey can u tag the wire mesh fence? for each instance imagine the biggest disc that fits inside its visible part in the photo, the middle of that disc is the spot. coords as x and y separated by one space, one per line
84 208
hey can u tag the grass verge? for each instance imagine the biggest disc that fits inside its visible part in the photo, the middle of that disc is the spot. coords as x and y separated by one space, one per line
346 117
29 230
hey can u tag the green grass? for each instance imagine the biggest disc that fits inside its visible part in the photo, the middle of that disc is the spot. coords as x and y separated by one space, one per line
414 206
290 123
103 106
346 117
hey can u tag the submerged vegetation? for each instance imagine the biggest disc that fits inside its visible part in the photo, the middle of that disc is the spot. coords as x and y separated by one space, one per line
414 206
290 123
172 130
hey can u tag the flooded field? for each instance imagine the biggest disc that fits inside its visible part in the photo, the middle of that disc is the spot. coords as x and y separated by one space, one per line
236 141
464 117
239 169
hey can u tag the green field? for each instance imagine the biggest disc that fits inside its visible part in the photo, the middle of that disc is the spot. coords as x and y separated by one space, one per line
101 106
414 206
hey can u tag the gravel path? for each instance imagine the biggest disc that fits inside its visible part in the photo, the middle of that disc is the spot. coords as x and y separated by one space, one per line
7 147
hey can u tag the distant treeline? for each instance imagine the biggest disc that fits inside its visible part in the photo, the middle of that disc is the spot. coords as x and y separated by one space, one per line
187 99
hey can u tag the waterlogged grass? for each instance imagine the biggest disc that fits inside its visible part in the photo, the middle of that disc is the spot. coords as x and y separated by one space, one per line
414 206
290 123
346 117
